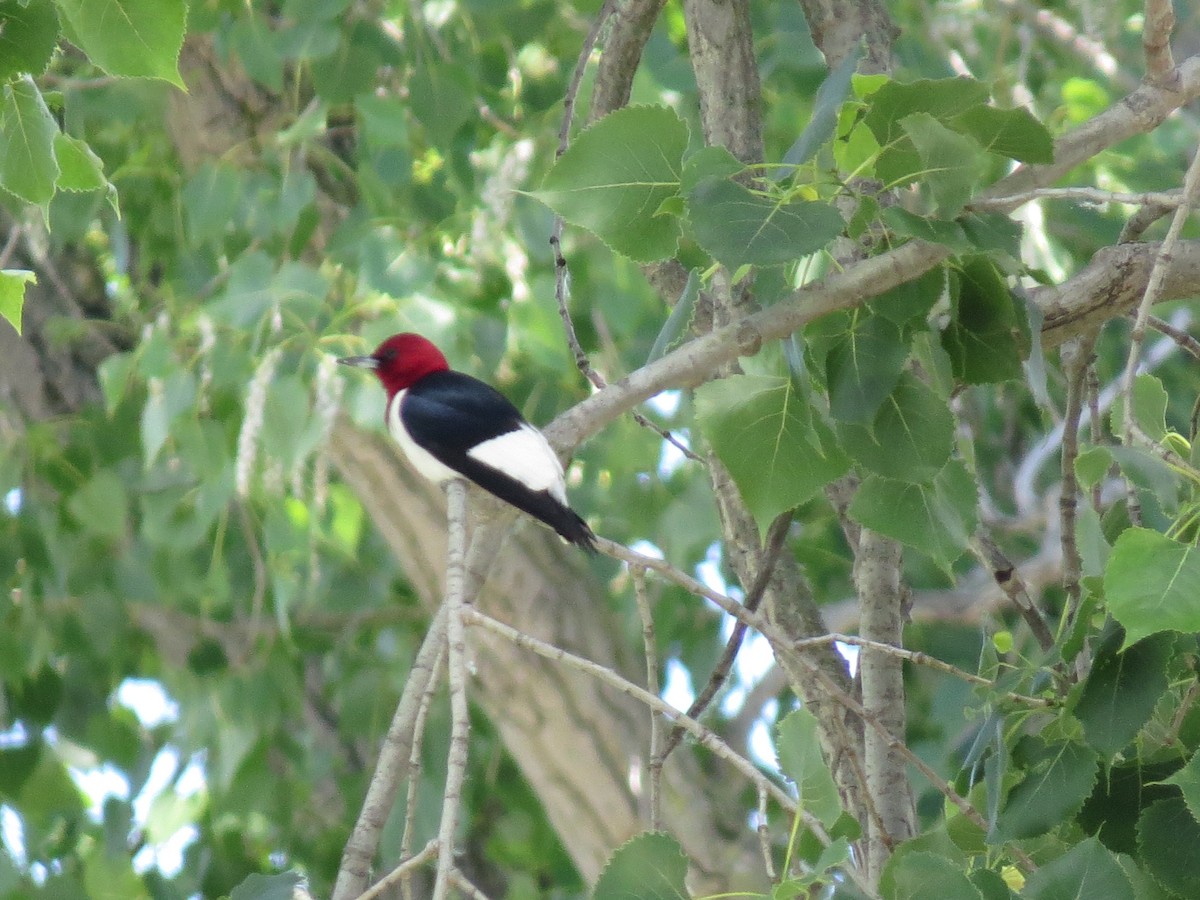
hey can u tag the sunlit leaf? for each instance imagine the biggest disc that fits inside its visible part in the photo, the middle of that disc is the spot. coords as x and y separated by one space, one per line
651 866
615 177
1152 584
138 38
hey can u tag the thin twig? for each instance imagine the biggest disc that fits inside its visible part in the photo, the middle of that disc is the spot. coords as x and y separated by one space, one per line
1088 195
414 762
652 685
1076 360
1185 706
762 826
776 535
921 659
464 884
391 768
401 873
1154 289
1009 580
1185 341
456 676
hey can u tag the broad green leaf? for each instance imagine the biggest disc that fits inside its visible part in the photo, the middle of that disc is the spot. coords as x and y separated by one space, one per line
210 198
267 887
762 431
101 506
27 130
1167 837
48 794
910 303
1122 690
799 751
1060 777
863 364
1147 470
650 866
1014 133
1187 780
942 99
1149 408
1089 869
166 401
993 233
108 877
351 69
80 168
1153 584
910 437
134 38
922 876
12 294
935 231
988 336
739 227
709 163
952 164
937 518
28 35
830 96
615 177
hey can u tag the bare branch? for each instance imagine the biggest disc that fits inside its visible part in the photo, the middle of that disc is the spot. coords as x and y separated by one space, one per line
401 874
456 675
392 768
1158 22
652 685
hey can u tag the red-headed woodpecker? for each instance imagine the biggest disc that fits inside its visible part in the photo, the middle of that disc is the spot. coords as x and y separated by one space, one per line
449 424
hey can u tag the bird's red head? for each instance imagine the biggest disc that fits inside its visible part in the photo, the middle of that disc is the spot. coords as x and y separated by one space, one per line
401 361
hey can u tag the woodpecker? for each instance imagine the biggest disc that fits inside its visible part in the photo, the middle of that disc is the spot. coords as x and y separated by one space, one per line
449 424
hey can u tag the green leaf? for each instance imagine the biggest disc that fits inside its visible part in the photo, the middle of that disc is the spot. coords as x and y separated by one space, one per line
910 437
351 69
28 36
707 163
1060 778
988 336
80 168
799 751
862 364
935 231
1014 133
993 233
1167 836
650 866
267 887
1088 869
952 165
12 294
101 506
165 403
938 519
910 303
679 318
1122 690
615 177
921 876
1152 584
830 96
1091 466
1187 780
210 198
1149 408
27 129
134 38
739 227
942 99
761 429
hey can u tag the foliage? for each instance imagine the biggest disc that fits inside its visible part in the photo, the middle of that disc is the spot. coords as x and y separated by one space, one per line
339 171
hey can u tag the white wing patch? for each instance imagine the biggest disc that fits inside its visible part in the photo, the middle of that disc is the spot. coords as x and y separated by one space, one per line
525 455
423 461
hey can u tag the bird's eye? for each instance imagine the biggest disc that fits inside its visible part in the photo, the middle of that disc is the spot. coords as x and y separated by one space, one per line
388 355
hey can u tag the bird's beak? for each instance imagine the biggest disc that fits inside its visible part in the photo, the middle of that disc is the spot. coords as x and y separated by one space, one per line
361 362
